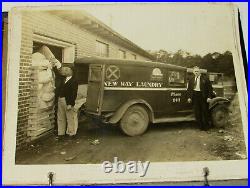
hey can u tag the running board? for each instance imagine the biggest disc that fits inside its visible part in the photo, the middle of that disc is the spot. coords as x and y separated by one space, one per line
174 119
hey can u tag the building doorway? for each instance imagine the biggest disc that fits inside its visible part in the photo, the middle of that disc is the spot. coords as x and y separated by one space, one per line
57 51
65 53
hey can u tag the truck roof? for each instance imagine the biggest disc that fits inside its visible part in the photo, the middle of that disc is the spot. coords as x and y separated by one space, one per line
98 60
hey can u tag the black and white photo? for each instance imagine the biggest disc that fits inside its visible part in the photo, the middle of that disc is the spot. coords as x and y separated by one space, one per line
124 91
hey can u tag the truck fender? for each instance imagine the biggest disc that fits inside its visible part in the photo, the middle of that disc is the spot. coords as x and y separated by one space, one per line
122 109
218 100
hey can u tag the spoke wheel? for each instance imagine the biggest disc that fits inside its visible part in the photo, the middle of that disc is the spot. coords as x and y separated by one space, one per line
135 121
220 116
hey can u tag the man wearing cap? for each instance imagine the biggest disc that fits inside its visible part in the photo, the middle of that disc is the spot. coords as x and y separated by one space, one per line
200 92
66 114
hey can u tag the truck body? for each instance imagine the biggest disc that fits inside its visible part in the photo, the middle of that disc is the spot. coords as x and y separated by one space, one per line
158 89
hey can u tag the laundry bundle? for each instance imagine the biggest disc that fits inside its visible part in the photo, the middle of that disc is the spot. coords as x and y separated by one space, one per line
46 82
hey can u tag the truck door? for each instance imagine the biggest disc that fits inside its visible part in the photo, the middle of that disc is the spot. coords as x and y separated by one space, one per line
176 98
95 88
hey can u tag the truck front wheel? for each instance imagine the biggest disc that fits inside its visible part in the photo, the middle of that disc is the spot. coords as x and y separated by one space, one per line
220 116
135 121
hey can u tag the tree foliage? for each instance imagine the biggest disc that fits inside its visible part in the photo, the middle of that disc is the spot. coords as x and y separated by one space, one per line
213 62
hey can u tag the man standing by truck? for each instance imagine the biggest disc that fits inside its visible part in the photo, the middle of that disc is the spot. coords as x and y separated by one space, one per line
200 92
67 119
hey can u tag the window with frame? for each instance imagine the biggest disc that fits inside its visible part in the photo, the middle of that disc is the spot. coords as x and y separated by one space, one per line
176 78
102 49
122 54
134 56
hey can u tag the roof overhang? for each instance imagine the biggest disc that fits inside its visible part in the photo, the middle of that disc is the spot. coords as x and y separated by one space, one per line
87 22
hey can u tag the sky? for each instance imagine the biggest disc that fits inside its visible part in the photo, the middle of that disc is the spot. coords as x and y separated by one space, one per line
198 29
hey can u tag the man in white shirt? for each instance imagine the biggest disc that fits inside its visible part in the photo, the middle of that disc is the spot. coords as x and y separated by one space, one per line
200 92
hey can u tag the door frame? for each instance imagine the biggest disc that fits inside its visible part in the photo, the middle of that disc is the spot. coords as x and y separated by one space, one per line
68 48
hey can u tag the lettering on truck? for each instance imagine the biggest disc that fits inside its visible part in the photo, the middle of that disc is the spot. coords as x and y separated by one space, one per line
133 84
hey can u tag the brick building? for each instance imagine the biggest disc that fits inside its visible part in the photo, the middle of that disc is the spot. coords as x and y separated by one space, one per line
69 35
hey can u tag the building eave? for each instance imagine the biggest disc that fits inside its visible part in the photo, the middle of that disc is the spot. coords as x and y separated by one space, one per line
88 22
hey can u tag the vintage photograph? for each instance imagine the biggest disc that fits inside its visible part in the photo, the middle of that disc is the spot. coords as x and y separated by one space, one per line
128 82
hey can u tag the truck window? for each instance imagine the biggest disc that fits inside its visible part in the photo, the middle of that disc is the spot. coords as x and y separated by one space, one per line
176 78
81 74
95 74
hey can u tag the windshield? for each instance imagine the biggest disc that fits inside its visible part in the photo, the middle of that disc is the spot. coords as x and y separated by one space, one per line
216 78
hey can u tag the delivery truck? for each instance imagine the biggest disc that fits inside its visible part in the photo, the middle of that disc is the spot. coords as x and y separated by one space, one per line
132 94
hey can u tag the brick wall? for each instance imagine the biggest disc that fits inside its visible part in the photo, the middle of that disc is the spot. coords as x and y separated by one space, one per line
24 84
45 24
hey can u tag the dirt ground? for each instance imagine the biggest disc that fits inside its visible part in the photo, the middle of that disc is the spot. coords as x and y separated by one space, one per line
161 143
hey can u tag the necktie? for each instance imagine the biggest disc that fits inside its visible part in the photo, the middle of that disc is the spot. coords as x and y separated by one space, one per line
195 82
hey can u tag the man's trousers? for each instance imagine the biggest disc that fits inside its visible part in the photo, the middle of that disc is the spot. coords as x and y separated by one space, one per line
201 110
67 120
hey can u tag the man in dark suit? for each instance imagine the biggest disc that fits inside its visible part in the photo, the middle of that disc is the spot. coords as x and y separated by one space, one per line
67 120
200 92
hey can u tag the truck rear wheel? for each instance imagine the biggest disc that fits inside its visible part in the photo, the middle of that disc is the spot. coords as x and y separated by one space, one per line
135 121
220 116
